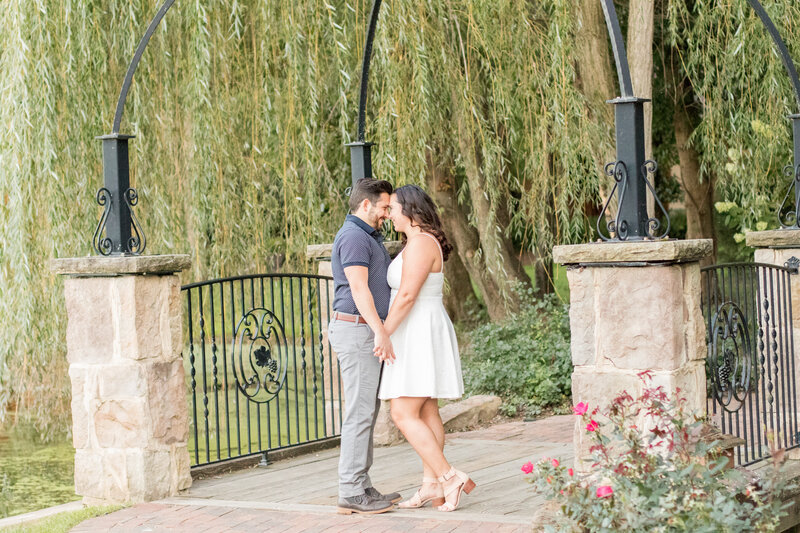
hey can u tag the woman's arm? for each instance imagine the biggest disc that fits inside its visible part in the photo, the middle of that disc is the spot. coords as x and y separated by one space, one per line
418 258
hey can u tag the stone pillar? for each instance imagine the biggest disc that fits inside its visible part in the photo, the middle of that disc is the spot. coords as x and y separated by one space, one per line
124 341
634 306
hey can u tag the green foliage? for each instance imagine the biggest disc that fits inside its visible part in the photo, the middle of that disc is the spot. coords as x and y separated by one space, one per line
743 139
651 471
525 359
240 111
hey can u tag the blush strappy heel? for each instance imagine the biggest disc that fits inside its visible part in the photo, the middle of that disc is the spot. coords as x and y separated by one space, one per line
435 495
454 482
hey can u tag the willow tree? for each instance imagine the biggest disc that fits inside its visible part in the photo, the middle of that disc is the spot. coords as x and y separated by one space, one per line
730 96
241 110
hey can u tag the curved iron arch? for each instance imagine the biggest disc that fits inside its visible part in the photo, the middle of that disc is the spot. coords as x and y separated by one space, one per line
787 214
780 45
124 234
137 56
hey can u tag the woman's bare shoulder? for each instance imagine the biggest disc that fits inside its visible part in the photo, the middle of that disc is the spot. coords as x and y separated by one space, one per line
421 247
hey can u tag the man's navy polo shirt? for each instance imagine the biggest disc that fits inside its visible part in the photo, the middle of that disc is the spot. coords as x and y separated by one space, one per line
358 243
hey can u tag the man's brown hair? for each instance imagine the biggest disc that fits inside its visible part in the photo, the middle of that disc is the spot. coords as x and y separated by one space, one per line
369 189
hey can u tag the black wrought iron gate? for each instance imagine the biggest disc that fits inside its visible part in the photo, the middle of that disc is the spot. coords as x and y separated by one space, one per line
750 367
260 373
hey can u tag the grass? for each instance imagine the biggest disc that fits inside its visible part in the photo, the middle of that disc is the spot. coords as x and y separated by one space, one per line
247 427
61 522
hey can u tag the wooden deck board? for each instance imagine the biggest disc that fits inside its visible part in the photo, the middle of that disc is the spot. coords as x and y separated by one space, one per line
492 457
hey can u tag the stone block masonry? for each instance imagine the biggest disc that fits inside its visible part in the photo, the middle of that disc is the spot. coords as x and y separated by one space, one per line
124 343
634 307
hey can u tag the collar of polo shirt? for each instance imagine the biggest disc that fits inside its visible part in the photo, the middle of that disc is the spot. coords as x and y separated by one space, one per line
366 227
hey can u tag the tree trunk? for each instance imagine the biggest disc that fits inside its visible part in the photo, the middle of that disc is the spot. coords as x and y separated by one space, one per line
441 184
459 289
698 194
500 264
464 237
640 58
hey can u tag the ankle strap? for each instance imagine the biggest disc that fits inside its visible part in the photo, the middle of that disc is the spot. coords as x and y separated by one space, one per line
448 475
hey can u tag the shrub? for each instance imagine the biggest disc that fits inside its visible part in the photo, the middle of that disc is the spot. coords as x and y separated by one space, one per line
651 472
524 359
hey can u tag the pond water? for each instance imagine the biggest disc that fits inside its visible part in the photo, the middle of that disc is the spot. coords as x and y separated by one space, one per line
34 475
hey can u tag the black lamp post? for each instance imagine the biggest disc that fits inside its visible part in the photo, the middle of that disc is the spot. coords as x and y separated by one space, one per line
123 232
787 217
361 150
631 170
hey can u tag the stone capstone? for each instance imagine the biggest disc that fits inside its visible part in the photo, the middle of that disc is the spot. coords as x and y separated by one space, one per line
322 252
673 251
778 238
94 265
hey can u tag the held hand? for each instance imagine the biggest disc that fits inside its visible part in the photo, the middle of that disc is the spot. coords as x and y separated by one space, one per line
383 349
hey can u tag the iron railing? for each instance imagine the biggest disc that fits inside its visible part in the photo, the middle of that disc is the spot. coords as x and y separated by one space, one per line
750 368
260 374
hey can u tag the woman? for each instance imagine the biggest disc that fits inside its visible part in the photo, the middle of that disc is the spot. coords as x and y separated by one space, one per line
426 364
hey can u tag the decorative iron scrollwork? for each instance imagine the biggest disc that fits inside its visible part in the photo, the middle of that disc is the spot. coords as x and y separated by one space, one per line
730 360
103 245
787 212
260 355
649 168
617 229
138 241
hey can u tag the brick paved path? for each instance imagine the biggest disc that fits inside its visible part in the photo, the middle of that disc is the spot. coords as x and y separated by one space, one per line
157 517
299 494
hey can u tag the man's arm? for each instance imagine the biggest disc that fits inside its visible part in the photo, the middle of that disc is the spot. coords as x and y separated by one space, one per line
357 277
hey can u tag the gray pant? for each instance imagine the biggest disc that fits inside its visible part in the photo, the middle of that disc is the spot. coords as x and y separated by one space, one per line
361 373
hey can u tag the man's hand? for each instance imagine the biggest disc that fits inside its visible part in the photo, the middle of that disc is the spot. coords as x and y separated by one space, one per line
383 349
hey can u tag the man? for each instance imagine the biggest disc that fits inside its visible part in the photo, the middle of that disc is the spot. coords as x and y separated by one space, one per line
361 302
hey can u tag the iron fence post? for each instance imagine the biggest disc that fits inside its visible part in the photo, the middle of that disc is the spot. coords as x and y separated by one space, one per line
116 183
360 160
123 233
629 117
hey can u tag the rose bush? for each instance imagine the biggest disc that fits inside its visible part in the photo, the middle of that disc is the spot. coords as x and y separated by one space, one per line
650 472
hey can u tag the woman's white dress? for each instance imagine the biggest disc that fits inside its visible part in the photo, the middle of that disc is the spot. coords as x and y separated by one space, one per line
427 363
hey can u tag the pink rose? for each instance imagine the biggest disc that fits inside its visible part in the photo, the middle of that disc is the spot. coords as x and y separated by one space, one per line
580 409
604 491
570 472
592 425
554 462
527 467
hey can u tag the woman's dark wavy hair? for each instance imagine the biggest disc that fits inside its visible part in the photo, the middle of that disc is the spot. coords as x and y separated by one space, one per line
419 207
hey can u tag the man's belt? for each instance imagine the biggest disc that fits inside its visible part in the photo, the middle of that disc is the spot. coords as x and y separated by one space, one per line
347 317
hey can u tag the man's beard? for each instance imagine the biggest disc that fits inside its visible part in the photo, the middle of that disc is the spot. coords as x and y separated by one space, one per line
376 221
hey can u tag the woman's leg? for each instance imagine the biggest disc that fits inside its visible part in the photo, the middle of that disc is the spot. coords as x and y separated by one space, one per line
430 416
407 415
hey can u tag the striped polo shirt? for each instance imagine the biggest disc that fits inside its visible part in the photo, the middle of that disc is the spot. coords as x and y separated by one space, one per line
358 243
